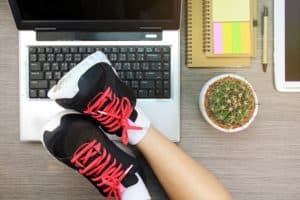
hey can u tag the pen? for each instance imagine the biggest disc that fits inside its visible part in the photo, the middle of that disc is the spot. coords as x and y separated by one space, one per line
265 39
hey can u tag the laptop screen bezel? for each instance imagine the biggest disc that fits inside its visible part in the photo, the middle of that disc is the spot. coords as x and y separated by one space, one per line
96 25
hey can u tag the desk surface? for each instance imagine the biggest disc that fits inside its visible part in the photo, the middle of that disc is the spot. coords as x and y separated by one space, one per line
262 162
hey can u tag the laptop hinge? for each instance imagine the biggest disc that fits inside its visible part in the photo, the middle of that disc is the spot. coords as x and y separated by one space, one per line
153 28
45 35
45 29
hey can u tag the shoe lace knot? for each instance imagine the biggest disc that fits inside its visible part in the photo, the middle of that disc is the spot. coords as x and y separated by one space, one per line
112 112
93 161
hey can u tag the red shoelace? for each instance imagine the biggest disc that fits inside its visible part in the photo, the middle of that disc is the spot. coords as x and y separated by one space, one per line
102 171
112 112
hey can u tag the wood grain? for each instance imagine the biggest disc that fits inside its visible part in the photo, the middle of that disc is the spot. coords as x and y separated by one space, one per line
261 163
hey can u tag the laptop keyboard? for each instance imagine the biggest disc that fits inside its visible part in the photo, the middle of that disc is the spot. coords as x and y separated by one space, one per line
145 69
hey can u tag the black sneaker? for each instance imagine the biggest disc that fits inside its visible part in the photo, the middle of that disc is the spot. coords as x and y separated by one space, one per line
94 88
77 141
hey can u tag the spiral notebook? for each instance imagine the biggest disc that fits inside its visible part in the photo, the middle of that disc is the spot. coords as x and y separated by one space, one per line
196 45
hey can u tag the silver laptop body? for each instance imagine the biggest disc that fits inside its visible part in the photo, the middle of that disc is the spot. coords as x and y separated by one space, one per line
34 113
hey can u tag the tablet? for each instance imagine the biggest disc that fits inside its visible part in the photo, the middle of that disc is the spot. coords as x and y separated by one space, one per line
287 45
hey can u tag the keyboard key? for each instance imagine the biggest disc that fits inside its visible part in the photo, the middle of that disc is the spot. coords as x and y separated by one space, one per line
57 49
136 66
143 93
145 66
118 66
159 92
122 57
46 66
131 57
65 50
159 84
149 50
57 75
166 84
64 66
132 49
140 57
42 57
50 57
48 75
166 93
166 49
52 83
32 93
42 93
157 50
35 66
73 49
151 93
126 66
77 57
139 75
134 84
166 66
90 50
166 57
129 75
71 65
49 50
113 57
36 75
69 57
41 50
123 50
54 67
153 75
115 50
156 66
153 57
33 57
59 57
166 75
147 84
106 50
38 84
32 50
140 50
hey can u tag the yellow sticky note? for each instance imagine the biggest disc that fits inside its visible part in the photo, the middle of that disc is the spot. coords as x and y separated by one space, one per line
230 10
245 37
227 37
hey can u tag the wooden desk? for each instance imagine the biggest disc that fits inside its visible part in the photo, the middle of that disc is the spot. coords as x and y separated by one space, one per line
262 163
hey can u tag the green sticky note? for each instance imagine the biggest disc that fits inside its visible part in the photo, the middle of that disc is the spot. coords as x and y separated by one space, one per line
236 38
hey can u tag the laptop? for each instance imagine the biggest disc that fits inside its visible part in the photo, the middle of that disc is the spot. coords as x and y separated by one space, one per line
140 38
287 45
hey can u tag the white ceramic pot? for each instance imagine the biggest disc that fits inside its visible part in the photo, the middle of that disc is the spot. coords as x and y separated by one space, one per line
202 102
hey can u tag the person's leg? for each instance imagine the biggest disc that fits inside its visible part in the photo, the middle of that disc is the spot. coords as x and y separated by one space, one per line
180 175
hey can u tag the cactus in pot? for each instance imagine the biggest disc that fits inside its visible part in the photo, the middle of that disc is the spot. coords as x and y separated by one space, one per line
229 102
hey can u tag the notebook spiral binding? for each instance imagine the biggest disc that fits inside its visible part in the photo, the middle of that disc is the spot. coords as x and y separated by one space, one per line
189 33
206 26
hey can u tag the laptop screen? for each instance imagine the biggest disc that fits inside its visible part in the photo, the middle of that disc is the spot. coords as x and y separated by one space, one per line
98 14
96 9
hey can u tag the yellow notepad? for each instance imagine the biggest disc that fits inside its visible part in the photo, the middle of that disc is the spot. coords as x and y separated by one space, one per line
195 55
229 30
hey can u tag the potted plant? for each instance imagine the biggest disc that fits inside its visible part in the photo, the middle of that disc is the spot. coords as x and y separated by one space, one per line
228 102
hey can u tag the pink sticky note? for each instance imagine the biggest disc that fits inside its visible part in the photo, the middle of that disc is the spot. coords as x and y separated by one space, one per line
218 39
